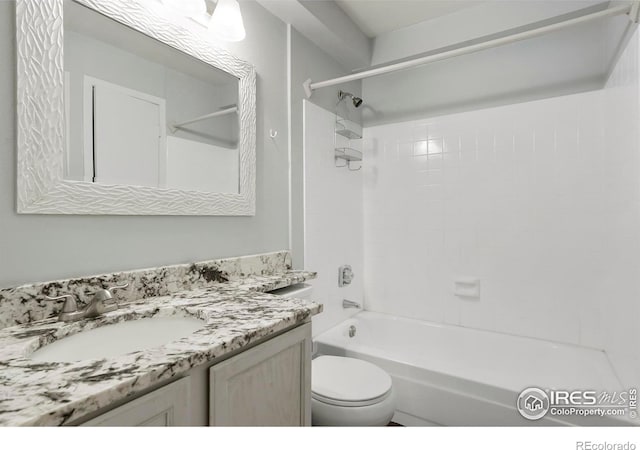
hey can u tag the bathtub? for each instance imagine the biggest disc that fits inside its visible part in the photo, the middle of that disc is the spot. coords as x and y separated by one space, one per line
449 375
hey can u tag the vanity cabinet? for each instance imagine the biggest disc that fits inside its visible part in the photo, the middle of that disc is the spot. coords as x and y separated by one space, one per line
268 384
167 406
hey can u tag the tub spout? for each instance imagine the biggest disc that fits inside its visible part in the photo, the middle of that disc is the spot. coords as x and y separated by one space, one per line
349 304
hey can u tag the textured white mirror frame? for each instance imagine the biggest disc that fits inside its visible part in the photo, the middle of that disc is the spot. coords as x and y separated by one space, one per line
41 123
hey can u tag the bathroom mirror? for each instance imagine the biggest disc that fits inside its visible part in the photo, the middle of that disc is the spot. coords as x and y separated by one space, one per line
143 115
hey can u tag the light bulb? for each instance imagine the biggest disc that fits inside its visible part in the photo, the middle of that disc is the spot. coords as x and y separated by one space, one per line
226 21
186 8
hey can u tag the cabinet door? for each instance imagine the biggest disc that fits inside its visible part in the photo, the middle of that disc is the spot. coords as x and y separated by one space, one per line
269 385
168 406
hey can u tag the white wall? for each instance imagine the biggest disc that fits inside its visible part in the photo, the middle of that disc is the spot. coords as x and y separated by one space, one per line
195 166
327 27
480 20
621 299
526 197
309 61
560 63
333 218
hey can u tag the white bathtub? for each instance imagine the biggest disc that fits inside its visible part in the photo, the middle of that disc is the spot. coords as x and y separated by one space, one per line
448 375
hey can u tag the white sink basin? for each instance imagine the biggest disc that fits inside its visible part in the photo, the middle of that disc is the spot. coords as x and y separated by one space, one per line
118 339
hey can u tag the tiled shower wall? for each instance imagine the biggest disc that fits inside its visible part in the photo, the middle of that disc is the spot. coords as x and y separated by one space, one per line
538 200
621 301
333 218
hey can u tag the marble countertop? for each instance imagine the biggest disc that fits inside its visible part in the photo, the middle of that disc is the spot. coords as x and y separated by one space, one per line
237 313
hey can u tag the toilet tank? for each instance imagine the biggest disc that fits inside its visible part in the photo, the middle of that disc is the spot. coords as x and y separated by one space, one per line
300 290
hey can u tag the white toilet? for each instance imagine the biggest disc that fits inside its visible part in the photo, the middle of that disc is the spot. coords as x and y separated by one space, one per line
346 392
350 392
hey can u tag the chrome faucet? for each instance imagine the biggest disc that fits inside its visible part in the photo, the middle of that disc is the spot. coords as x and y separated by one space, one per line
349 304
101 302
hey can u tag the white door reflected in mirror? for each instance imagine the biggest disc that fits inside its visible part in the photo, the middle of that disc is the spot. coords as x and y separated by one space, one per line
126 142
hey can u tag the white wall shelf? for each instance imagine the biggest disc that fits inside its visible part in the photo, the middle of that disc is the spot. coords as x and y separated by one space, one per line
348 129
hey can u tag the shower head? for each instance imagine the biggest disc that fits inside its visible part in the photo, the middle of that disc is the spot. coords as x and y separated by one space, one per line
357 101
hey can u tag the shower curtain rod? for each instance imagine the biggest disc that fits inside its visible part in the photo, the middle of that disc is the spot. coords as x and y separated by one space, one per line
632 9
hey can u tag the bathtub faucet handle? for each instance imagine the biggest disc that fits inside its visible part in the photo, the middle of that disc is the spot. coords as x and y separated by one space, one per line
345 275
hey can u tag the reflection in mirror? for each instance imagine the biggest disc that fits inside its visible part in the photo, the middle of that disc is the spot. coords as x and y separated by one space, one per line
141 113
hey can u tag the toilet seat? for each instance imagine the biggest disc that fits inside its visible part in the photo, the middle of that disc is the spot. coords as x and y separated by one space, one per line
336 402
348 382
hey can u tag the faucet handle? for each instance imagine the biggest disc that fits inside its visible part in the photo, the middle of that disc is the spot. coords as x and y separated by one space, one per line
70 304
107 294
113 288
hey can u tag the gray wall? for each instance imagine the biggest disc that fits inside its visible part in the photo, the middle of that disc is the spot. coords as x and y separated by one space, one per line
39 248
309 61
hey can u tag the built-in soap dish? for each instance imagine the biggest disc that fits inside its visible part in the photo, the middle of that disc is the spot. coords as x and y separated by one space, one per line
467 287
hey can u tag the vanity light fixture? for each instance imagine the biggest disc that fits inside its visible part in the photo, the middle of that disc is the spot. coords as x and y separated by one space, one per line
226 21
186 8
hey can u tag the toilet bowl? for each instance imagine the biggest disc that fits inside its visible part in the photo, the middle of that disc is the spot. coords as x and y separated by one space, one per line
346 391
350 392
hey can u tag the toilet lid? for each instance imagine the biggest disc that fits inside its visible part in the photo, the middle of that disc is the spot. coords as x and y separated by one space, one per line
348 380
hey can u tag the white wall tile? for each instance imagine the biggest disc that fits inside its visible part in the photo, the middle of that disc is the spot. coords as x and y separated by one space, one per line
619 308
523 197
